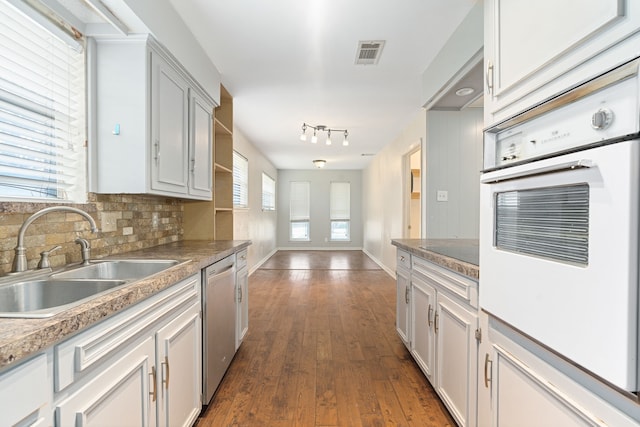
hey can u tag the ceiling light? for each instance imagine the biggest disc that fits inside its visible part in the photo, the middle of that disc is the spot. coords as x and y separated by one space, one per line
303 136
322 128
464 91
319 163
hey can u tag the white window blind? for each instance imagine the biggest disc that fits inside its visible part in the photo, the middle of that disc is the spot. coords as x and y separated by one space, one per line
240 181
268 193
299 210
340 203
340 210
42 112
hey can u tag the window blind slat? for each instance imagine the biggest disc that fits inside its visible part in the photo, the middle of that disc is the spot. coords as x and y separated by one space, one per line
240 181
268 193
340 200
42 121
299 201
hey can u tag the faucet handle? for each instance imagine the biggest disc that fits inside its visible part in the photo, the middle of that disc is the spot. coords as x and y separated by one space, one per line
85 249
44 257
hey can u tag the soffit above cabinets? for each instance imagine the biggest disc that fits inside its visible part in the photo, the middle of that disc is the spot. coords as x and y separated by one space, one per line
450 101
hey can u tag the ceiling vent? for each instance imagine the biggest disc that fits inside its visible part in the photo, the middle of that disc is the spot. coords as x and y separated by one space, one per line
369 52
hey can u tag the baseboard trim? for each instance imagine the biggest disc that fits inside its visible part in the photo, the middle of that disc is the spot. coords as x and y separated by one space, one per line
382 266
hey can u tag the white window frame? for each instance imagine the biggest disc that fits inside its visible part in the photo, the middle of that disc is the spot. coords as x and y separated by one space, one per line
340 209
240 181
299 209
268 193
43 119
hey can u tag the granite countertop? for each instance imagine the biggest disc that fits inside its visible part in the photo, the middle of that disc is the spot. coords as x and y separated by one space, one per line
20 338
459 255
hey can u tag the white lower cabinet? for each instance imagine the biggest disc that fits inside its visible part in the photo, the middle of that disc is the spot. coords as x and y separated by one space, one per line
141 367
443 340
123 393
403 294
518 388
179 365
26 392
436 317
242 297
456 358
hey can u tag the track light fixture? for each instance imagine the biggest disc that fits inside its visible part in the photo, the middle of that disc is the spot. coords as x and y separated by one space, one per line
323 128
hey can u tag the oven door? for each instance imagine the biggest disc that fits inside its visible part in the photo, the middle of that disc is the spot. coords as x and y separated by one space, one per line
559 256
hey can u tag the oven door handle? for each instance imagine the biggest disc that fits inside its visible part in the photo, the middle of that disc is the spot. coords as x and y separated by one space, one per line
561 167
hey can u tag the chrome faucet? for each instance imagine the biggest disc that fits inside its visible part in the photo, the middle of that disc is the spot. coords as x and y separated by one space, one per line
20 259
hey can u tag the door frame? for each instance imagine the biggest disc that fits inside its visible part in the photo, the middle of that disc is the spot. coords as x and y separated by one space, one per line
406 188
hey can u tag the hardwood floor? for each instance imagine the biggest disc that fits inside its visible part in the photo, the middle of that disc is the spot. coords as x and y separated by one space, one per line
322 350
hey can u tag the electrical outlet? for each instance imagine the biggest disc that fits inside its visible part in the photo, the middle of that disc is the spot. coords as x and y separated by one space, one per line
442 196
154 220
109 221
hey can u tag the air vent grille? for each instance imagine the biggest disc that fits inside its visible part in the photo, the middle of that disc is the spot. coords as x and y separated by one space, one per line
369 52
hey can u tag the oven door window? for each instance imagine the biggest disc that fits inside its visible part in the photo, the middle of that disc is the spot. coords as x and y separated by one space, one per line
549 222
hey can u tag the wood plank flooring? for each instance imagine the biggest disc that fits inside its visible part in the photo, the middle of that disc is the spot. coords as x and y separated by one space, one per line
322 350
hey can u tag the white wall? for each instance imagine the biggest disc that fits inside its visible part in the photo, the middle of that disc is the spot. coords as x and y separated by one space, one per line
454 160
383 194
320 224
464 43
253 223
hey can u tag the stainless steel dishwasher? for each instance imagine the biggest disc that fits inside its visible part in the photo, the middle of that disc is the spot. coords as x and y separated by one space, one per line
218 329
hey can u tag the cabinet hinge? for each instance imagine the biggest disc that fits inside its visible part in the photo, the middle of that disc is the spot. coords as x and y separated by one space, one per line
479 335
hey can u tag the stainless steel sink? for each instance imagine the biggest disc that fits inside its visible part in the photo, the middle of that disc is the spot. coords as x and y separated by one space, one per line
46 297
42 294
130 269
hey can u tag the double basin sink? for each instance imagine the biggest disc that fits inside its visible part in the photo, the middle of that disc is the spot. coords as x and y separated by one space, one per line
44 295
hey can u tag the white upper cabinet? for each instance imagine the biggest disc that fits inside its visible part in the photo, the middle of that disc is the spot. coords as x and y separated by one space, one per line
151 123
535 50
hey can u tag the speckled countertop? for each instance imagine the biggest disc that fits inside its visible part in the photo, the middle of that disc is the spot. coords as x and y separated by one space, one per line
20 338
459 255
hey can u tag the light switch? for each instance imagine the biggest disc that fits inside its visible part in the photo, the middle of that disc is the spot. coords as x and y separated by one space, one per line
442 196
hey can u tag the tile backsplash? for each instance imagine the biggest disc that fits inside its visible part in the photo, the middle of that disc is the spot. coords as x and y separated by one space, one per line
126 222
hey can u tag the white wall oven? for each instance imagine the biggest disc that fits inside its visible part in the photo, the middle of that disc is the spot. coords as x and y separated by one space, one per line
559 215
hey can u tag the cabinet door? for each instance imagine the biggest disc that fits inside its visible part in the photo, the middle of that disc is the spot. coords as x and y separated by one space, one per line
242 321
179 380
522 397
456 358
25 394
423 309
549 45
200 147
123 394
169 121
403 288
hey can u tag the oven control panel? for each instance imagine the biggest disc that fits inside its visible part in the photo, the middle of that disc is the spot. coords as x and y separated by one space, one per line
605 115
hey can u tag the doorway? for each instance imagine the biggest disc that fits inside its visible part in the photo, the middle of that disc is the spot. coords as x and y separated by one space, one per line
413 193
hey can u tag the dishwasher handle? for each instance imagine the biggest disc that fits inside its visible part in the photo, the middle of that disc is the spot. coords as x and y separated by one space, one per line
215 272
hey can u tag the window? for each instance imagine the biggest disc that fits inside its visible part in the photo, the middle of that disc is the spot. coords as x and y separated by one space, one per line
240 181
340 210
268 193
299 210
42 111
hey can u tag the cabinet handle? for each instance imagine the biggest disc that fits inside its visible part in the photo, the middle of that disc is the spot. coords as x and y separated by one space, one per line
406 294
165 364
429 315
401 258
435 322
157 156
239 293
153 384
487 362
488 75
193 166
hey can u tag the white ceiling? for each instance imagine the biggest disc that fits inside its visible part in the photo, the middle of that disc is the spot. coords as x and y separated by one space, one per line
286 62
